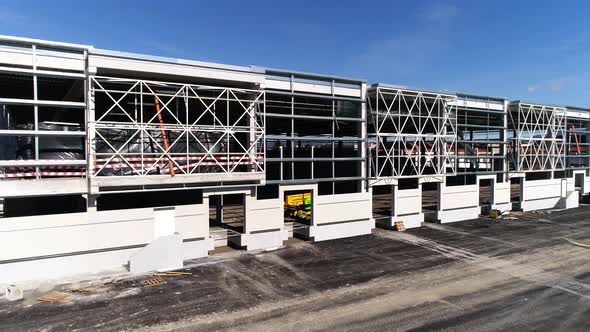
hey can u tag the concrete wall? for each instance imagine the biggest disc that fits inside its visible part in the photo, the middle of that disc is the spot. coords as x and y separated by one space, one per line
540 194
407 207
501 196
264 226
343 215
586 187
55 246
458 203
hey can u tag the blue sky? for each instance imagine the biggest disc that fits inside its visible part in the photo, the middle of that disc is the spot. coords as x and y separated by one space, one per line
529 50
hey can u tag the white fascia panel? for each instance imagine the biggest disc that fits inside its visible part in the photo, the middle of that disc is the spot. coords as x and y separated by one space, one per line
347 92
16 57
133 65
313 88
579 115
278 85
65 63
477 104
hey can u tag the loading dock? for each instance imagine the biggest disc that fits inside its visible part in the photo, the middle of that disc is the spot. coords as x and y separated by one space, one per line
298 212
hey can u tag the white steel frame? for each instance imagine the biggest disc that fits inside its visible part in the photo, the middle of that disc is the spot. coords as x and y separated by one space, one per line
23 48
415 112
216 158
539 143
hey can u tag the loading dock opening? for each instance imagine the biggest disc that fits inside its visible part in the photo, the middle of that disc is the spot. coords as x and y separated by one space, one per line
430 192
298 211
226 219
486 193
382 205
515 191
579 181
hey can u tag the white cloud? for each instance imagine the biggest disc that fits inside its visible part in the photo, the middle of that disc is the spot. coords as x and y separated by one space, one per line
555 85
403 55
406 53
440 12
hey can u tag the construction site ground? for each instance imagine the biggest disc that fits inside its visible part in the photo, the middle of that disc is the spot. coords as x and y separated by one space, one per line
528 272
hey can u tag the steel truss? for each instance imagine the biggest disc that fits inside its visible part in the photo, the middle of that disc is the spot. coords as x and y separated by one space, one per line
413 133
208 129
538 140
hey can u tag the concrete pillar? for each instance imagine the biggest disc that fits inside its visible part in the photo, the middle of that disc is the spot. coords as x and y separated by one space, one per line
457 202
406 207
219 209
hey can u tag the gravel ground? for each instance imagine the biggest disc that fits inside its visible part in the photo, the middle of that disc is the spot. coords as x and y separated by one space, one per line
475 275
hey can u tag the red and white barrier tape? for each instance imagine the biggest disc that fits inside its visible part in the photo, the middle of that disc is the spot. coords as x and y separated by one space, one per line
166 170
130 159
58 167
42 174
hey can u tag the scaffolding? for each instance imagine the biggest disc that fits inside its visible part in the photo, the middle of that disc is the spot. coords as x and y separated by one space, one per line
411 133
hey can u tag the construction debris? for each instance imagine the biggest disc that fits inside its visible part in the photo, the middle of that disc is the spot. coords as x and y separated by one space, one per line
154 281
12 292
399 226
587 246
494 213
53 297
85 289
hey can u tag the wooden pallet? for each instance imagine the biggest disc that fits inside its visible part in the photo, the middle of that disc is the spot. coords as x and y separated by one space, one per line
53 297
399 226
154 281
85 289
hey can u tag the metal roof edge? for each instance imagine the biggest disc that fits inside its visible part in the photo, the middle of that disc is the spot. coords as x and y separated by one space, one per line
401 87
307 74
155 58
518 101
25 40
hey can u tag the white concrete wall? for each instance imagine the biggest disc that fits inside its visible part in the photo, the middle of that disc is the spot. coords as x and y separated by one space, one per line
540 194
336 208
501 198
65 244
263 214
458 203
407 207
264 226
343 215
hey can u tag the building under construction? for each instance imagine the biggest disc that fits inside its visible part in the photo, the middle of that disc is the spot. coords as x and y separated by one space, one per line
107 158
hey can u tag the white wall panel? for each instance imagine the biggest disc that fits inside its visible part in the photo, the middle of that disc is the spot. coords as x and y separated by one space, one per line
263 214
334 208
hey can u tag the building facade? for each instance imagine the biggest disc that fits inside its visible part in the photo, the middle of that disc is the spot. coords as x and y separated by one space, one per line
103 153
